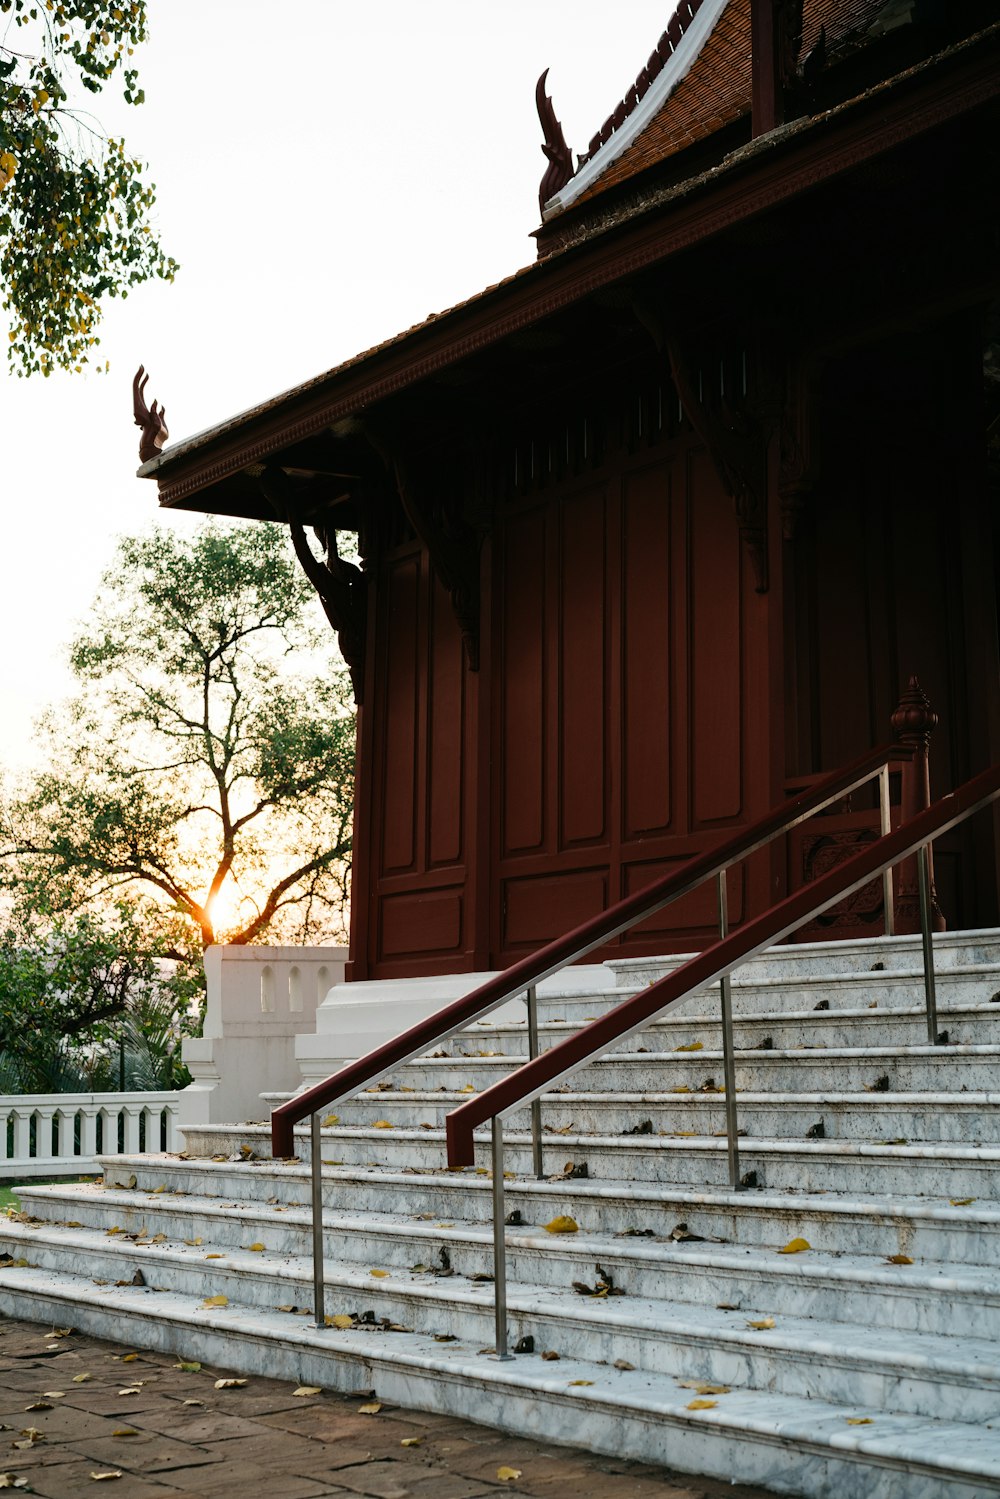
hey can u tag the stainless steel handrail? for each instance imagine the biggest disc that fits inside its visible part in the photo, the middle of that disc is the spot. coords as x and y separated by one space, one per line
528 1083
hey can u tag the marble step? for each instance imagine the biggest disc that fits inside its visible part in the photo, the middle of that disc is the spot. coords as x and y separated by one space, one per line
850 1166
924 1297
788 1442
961 1118
918 1069
809 959
926 1228
853 1028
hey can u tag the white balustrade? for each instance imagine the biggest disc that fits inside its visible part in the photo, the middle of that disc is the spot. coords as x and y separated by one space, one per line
62 1134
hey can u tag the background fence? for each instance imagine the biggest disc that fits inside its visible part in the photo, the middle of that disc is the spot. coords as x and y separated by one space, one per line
61 1134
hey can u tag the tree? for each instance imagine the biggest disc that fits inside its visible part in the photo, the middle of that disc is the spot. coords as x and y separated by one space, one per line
204 772
74 206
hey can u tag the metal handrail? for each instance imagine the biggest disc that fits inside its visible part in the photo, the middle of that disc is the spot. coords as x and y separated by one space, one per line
524 976
716 963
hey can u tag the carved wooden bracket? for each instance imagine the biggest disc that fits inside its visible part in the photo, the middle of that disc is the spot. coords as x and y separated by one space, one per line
737 443
341 586
453 549
554 147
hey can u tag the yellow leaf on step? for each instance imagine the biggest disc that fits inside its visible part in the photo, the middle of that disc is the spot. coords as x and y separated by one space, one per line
898 1259
795 1246
507 1475
763 1324
702 1405
331 1119
229 1384
859 1420
382 1124
562 1225
469 1088
682 1089
192 1243
961 1202
256 1248
370 1410
159 1189
444 1225
703 1389
341 1320
580 1382
215 1256
691 1046
379 1274
308 1389
216 1301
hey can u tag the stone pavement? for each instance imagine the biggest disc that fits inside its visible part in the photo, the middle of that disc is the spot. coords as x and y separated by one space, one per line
76 1412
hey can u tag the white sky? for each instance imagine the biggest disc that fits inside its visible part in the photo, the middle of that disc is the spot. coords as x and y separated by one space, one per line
328 173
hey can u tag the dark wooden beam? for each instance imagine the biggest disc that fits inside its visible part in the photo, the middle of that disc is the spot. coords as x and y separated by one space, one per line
767 101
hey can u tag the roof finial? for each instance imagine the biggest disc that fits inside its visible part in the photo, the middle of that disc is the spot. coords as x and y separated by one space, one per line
153 421
560 157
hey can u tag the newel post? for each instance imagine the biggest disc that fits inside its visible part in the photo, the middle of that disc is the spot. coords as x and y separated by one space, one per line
913 723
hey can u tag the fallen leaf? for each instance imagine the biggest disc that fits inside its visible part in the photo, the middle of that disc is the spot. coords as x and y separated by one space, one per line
623 1363
12 1481
308 1389
216 1301
125 1431
550 1355
580 1382
158 1190
59 1332
960 1202
39 1405
702 1405
562 1225
191 1367
682 1089
81 1378
131 1390
382 1124
379 1274
704 1389
256 1248
412 1442
763 1324
445 1337
230 1384
129 1358
111 1473
507 1475
370 1410
898 1259
192 1402
341 1320
330 1119
215 1256
795 1246
859 1420
444 1225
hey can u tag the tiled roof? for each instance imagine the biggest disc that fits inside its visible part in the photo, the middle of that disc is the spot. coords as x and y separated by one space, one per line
714 92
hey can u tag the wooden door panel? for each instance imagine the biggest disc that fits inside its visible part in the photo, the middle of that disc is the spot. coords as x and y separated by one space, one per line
647 648
581 707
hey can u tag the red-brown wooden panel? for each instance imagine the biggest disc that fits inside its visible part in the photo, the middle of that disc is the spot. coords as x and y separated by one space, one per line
446 714
426 921
716 710
581 707
522 685
647 650
399 718
698 911
539 908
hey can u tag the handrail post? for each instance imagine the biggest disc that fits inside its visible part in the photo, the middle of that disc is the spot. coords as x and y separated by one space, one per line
728 1059
930 995
913 722
499 1244
885 823
316 1165
536 1105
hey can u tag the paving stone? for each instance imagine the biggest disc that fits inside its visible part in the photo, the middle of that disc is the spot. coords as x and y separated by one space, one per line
73 1481
195 1424
232 1478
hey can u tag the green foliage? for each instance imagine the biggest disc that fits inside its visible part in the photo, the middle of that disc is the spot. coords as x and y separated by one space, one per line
74 206
71 988
204 772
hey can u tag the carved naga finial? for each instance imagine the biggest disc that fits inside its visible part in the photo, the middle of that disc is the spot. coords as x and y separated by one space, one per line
152 420
554 147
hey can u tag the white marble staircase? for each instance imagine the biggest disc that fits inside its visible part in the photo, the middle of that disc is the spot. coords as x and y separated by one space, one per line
865 1365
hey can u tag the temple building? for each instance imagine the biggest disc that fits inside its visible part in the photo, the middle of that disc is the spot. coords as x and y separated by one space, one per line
659 528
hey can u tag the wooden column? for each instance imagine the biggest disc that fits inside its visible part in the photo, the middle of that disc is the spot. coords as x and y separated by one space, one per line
767 110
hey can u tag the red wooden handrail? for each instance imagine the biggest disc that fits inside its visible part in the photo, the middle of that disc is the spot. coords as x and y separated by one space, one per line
536 1077
572 946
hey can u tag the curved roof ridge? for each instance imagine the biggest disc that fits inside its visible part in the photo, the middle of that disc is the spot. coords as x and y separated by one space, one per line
677 50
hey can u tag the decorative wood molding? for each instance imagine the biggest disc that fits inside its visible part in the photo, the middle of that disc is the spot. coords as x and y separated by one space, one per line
554 147
737 442
341 586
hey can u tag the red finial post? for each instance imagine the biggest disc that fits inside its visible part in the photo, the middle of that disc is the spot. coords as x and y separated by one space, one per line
913 723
